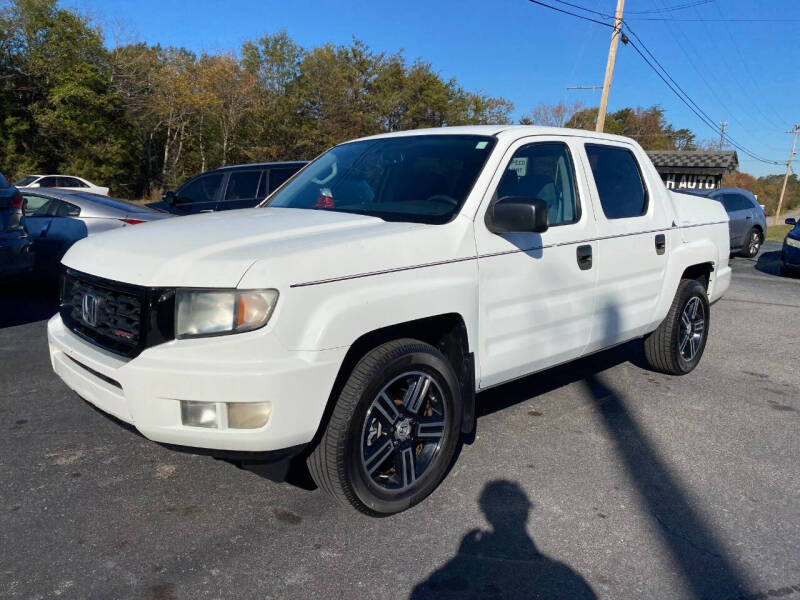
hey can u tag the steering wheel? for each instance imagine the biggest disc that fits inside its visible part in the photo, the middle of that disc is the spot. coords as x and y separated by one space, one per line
444 199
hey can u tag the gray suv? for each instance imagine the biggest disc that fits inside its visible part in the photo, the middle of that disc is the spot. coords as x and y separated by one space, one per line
748 223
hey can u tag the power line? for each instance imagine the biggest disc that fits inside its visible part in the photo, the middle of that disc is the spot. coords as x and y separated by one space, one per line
583 8
715 20
566 12
682 95
670 8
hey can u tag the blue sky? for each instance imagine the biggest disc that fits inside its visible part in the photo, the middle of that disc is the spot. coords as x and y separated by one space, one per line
744 73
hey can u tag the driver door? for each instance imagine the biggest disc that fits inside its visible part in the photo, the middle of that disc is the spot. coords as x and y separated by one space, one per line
537 290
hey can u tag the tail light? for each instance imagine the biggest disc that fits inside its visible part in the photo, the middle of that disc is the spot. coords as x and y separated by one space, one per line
131 221
17 201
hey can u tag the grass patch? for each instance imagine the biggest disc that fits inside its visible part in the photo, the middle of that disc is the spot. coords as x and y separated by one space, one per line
776 233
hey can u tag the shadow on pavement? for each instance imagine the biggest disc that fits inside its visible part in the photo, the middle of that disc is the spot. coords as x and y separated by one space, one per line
502 562
694 548
26 302
769 263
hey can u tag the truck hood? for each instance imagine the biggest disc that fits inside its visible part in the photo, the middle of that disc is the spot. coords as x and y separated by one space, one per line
217 249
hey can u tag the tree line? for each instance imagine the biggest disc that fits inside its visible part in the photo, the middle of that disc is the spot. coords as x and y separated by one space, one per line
141 118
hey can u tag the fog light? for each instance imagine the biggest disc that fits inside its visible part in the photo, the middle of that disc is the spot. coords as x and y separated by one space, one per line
248 415
199 414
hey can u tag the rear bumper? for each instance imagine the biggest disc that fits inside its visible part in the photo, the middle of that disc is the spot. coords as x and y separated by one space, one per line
146 391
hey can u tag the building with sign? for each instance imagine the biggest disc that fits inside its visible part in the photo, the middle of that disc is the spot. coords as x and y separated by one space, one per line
693 169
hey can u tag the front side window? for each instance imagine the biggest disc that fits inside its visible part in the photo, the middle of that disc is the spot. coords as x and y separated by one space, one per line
48 182
242 185
417 178
544 171
202 189
618 180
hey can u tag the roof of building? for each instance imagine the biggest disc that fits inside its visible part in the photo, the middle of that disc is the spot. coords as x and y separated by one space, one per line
670 161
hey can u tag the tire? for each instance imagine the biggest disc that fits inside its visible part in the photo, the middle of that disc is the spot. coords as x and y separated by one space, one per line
667 349
352 461
752 243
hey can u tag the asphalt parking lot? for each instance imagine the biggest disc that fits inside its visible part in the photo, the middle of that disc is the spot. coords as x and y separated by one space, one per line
597 479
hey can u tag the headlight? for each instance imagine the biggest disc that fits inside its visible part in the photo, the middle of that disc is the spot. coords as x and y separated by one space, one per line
793 242
219 312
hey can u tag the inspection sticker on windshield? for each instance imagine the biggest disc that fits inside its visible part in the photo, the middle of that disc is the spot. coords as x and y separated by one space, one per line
481 145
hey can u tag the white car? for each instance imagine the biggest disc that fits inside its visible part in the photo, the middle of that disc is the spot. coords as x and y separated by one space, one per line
351 319
63 182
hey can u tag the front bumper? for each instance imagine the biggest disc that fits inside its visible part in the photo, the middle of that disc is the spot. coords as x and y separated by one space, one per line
250 367
790 256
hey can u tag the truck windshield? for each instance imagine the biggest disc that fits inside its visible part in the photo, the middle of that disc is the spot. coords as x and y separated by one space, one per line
418 178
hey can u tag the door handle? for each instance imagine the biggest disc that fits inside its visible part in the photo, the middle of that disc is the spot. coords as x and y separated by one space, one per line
661 244
749 217
584 255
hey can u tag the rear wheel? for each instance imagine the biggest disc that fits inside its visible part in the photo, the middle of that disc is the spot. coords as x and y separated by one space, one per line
393 432
678 344
753 243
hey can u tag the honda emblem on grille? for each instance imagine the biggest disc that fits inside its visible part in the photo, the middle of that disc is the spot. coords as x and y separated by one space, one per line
89 309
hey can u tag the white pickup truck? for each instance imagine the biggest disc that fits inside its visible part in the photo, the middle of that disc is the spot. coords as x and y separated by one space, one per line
352 317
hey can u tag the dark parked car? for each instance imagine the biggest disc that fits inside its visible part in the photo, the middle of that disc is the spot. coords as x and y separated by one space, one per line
226 188
790 254
56 219
748 223
16 255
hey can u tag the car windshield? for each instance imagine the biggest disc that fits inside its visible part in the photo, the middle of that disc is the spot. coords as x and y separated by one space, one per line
418 178
26 180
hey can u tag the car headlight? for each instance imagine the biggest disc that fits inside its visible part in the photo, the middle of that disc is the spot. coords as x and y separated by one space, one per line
219 312
793 242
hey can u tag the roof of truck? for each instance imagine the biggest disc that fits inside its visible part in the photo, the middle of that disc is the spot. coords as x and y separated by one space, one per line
501 130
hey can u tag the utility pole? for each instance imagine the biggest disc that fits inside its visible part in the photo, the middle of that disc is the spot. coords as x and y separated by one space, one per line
722 126
795 131
612 57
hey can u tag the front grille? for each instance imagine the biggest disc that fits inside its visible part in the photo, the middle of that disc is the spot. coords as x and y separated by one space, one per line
107 313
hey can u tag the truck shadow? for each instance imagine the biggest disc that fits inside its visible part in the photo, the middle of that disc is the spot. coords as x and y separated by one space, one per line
26 301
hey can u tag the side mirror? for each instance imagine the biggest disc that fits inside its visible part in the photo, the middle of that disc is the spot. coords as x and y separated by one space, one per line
169 197
791 221
513 214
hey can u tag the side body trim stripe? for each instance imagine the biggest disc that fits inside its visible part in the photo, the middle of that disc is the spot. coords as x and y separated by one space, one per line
493 254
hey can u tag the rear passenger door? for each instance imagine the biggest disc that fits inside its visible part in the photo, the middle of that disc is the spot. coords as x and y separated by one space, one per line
740 215
633 245
242 189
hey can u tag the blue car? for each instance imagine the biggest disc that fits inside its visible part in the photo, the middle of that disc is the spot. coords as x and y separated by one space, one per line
16 254
790 255
748 223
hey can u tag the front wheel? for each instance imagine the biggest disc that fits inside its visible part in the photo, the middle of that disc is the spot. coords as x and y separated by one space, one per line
677 345
753 244
393 431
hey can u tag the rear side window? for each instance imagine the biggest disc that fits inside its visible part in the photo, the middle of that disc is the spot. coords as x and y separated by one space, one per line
3 182
278 176
242 185
619 181
202 189
71 182
66 209
734 202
